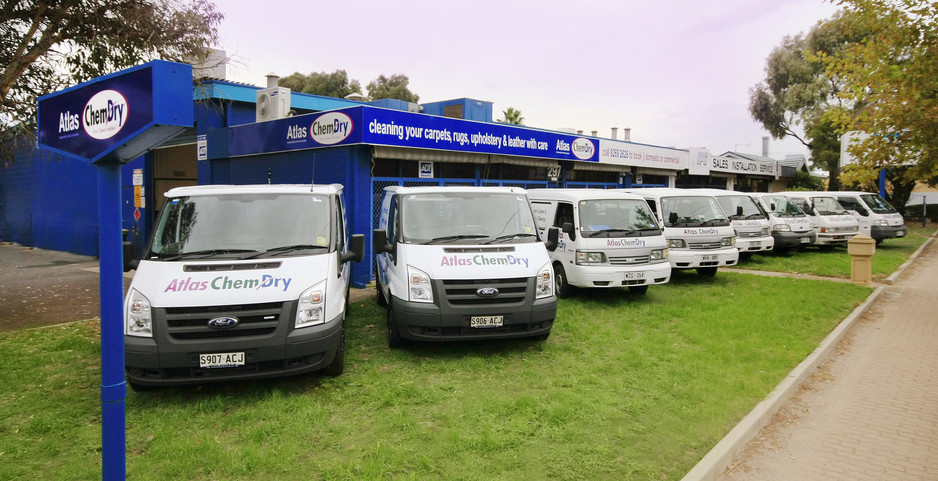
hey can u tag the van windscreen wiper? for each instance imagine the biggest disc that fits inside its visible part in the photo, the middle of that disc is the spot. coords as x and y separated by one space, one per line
210 253
284 249
450 238
510 236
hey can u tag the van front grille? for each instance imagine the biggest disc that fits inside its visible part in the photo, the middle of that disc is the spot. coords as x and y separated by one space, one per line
466 292
254 320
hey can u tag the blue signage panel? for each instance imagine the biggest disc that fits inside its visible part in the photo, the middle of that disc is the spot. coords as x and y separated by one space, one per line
376 126
95 120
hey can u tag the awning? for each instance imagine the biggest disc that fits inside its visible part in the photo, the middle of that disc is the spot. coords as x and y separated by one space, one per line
596 166
403 153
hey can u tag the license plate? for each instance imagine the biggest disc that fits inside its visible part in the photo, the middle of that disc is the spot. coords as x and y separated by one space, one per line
900 233
486 321
224 359
631 276
755 243
709 258
805 240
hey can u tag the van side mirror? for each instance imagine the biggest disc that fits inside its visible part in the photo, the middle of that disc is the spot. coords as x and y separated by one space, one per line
356 249
772 207
553 239
567 228
739 211
672 218
379 242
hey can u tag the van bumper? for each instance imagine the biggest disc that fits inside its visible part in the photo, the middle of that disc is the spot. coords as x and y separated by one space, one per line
419 321
285 352
834 239
787 240
755 244
692 259
617 276
879 232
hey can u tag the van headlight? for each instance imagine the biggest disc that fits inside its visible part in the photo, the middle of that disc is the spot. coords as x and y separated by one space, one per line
659 254
882 223
728 241
138 318
587 258
766 231
311 308
676 243
781 228
544 284
418 284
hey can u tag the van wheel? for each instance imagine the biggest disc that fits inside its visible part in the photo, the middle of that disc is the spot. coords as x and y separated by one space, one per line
379 299
394 336
337 366
561 286
640 290
707 271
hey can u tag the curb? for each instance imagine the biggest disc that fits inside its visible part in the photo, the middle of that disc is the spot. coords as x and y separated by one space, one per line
715 461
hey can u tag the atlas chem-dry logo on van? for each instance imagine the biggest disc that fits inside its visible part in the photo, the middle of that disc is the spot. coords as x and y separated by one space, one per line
484 260
582 148
105 114
224 283
331 128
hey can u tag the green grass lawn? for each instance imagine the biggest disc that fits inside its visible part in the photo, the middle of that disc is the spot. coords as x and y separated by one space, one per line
627 387
835 262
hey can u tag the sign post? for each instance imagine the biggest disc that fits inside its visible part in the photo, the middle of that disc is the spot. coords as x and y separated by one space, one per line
109 121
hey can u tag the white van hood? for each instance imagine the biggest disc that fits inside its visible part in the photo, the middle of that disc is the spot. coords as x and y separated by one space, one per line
477 262
203 283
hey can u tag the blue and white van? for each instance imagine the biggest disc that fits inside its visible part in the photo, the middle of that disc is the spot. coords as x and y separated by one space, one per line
462 263
749 220
607 239
698 232
241 282
831 222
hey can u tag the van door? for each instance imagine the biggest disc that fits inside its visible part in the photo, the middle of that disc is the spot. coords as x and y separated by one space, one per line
862 214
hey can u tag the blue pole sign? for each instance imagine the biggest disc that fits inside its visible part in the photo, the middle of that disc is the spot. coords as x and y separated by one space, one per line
109 121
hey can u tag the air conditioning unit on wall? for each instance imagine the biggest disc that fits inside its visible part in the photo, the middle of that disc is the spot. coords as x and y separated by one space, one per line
272 103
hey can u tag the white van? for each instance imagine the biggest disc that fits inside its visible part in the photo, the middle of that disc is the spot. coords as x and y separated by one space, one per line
790 226
878 219
462 263
607 239
831 222
241 282
748 219
697 230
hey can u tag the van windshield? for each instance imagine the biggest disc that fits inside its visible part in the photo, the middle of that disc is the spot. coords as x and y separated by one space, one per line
782 206
878 204
692 211
616 218
466 218
732 203
242 226
828 206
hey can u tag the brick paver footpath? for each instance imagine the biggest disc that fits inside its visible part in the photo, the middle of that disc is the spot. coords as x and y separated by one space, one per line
871 411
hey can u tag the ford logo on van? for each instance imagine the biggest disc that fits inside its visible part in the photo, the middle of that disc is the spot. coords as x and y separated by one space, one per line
487 292
223 322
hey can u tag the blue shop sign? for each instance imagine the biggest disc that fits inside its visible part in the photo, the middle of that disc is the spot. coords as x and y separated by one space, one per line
377 126
96 120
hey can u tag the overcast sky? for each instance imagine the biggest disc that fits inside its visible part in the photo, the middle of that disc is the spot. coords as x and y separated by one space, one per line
677 72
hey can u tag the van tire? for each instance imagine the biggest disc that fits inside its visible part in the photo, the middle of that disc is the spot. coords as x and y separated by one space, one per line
337 366
707 271
394 336
379 298
560 281
639 290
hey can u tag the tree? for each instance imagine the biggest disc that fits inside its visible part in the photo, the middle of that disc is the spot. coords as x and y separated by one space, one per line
47 45
798 92
335 84
512 116
894 77
393 87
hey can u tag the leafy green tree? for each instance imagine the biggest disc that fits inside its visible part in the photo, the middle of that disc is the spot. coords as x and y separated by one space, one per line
512 116
893 77
47 45
335 84
797 94
393 87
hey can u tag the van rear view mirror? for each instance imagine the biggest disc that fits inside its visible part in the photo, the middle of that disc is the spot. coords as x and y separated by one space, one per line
567 228
379 242
356 251
553 238
672 218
